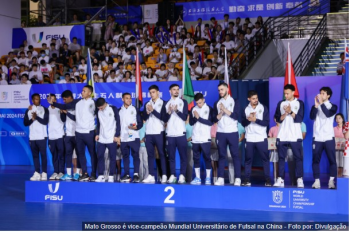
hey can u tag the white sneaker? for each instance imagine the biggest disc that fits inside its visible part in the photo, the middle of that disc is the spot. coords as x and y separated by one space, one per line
220 182
53 176
35 177
43 176
181 179
100 179
300 183
164 179
316 184
172 180
59 176
149 180
111 179
279 182
237 182
331 184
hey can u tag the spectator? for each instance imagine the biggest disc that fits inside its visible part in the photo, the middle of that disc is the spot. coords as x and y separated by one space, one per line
225 23
195 71
249 34
3 78
43 56
57 22
46 71
82 67
229 44
175 76
35 76
149 76
214 74
128 77
242 42
148 49
190 59
121 70
216 59
13 65
198 33
238 25
96 32
110 24
107 58
45 48
340 64
116 35
97 79
53 50
65 55
31 49
127 57
72 80
75 19
23 24
75 72
95 69
22 70
14 80
188 39
174 56
107 72
200 25
207 70
40 22
112 77
114 50
4 68
24 80
66 79
21 49
75 49
162 57
22 59
260 20
257 28
162 73
10 58
143 69
60 44
249 24
34 61
214 45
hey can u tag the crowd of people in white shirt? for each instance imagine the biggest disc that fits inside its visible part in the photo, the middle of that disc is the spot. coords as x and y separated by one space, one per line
159 49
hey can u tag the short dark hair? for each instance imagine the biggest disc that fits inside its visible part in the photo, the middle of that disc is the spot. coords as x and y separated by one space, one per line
198 96
53 95
153 87
90 88
222 83
289 86
35 95
251 93
173 85
124 94
112 71
327 90
25 75
67 94
100 102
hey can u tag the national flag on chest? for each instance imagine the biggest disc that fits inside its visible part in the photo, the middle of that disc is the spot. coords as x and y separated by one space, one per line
227 77
289 77
187 88
138 99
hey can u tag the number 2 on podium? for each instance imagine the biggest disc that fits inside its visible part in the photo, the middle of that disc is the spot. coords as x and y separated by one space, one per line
168 198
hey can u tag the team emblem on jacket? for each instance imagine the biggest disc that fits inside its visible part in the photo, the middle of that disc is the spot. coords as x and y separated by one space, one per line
132 112
206 112
296 107
180 104
231 105
110 114
260 111
90 106
159 105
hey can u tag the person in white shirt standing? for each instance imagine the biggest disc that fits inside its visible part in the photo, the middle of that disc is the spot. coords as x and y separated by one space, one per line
255 119
323 113
154 114
85 111
37 118
69 139
56 143
130 124
289 113
177 111
226 113
201 118
107 137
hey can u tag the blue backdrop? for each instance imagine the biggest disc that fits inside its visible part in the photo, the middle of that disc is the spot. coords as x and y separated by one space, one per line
308 88
238 8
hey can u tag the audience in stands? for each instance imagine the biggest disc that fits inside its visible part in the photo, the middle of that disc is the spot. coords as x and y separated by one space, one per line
160 51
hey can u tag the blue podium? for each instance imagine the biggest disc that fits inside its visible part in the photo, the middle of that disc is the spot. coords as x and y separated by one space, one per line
175 195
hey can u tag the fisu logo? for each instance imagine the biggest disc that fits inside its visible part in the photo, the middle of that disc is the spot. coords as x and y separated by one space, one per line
54 197
277 196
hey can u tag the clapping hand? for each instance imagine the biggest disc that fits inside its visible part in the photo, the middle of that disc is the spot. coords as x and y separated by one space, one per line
149 108
196 115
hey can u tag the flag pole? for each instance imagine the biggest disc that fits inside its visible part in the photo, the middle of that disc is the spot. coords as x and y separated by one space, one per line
183 71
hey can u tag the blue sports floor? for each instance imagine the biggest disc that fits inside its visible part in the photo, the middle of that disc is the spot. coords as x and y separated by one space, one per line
15 214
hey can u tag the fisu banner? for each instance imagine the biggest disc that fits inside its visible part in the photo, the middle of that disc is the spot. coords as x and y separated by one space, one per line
38 35
14 100
241 8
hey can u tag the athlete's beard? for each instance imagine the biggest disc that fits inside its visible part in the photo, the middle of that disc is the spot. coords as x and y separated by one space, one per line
225 95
